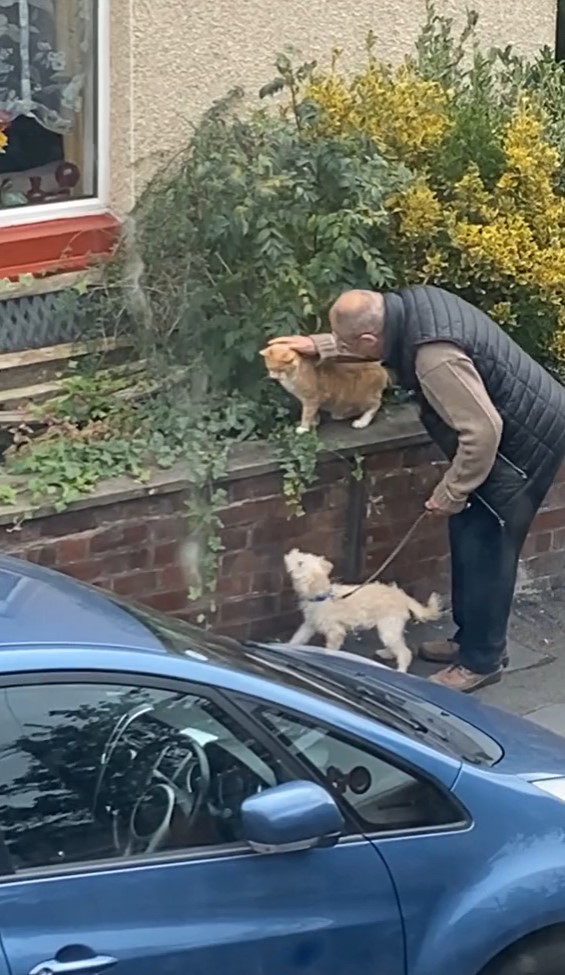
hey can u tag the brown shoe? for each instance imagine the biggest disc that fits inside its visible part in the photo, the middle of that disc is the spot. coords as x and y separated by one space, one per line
466 681
446 652
439 651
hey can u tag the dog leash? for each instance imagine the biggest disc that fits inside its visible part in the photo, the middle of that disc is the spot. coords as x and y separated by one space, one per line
403 541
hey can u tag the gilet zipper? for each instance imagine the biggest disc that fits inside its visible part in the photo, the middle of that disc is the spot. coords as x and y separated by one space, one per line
518 470
494 513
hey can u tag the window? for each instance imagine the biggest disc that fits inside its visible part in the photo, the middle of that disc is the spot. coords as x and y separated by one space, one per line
49 103
381 796
105 771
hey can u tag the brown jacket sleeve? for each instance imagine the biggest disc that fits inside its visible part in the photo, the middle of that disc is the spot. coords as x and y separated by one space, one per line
326 345
454 389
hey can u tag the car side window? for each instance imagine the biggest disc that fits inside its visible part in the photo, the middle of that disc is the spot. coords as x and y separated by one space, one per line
106 771
382 796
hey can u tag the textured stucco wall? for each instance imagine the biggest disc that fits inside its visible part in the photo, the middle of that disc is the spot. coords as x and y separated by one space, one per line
173 57
122 181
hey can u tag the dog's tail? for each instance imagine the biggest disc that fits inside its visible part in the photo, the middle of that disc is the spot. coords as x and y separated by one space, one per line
431 611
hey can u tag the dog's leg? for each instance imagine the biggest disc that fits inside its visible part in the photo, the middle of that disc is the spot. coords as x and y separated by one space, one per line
386 654
367 417
304 633
403 655
335 635
391 632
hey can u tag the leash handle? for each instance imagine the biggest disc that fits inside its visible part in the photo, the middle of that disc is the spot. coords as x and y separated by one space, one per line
403 541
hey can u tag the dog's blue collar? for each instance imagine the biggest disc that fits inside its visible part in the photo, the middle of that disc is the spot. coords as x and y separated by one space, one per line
321 597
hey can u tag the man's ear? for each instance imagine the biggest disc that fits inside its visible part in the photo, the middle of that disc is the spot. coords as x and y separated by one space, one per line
264 352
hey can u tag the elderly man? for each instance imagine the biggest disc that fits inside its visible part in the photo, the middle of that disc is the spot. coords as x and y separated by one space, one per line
500 419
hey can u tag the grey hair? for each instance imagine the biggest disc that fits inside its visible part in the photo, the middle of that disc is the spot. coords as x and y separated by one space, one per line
358 313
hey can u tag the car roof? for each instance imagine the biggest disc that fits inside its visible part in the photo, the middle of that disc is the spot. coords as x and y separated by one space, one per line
39 606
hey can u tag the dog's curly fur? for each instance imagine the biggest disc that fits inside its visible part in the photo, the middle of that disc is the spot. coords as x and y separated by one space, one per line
385 607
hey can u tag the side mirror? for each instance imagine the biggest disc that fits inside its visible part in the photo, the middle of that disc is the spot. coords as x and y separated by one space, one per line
291 817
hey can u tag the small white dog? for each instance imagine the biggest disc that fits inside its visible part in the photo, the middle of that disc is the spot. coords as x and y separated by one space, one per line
387 608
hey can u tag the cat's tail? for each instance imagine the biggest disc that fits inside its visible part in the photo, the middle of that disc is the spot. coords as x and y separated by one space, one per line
431 611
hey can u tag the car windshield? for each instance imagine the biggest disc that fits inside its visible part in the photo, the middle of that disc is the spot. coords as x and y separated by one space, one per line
396 708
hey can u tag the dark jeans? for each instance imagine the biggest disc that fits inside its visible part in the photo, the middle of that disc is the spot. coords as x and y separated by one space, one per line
484 565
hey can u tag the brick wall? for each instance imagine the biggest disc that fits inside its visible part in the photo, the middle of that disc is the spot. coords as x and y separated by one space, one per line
132 546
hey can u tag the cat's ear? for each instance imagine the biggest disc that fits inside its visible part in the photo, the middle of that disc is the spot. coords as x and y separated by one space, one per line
327 566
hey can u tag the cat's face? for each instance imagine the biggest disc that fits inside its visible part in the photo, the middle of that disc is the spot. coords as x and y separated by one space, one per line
280 360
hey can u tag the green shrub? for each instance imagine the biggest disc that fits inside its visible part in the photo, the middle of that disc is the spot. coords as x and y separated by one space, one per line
254 232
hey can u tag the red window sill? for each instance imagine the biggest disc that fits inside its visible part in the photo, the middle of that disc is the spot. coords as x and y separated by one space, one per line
56 246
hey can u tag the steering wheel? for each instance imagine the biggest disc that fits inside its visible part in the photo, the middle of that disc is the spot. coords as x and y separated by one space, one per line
152 814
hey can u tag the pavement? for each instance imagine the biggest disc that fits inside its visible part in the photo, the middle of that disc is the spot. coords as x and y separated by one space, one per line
534 683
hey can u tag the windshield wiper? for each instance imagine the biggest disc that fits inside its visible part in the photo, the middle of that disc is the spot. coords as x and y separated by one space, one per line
375 700
319 677
402 711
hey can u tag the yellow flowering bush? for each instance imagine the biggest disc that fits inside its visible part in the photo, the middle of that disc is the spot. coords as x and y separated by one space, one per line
403 114
419 211
484 210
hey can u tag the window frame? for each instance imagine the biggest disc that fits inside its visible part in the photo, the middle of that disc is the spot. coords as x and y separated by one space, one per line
222 698
98 204
250 705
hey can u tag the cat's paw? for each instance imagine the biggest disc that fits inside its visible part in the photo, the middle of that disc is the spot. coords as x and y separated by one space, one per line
301 429
361 422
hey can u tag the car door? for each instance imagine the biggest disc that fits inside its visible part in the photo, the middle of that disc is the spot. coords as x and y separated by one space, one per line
119 805
414 823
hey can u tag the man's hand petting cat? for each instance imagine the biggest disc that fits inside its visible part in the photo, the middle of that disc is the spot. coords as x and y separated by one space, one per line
303 344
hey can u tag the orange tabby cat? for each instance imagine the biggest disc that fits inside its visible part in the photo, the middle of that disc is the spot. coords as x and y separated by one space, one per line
342 389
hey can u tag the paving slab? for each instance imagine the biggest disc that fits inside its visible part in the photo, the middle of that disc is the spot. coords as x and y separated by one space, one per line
552 716
521 657
534 682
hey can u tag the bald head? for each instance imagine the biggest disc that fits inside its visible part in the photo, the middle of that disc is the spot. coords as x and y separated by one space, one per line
357 321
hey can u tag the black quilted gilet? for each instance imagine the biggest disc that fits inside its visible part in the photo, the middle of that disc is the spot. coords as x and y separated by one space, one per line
530 402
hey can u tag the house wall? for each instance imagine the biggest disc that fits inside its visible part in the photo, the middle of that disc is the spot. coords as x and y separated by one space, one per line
172 58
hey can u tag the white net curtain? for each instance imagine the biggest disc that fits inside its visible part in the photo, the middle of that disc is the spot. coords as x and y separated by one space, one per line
46 66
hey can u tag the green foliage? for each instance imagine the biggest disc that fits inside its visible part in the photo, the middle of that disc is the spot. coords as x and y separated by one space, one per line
485 86
358 467
205 527
8 495
87 396
253 232
61 470
297 454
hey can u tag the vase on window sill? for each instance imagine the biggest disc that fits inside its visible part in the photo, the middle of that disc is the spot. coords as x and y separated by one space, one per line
35 195
67 176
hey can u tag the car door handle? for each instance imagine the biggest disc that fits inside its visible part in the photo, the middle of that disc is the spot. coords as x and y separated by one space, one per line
94 963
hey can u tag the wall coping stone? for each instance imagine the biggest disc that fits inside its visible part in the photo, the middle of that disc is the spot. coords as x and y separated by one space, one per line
397 427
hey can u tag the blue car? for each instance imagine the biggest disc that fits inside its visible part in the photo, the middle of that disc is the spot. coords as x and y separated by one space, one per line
173 802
